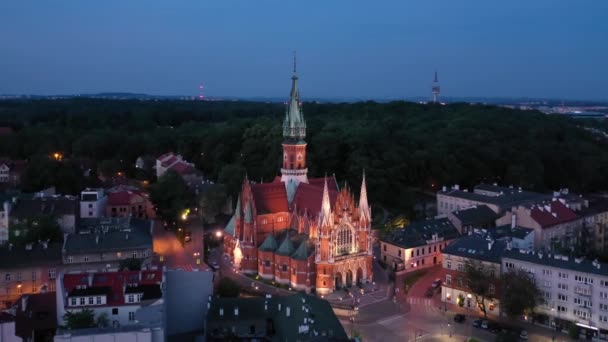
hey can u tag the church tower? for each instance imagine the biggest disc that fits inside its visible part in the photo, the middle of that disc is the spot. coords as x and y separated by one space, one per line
293 170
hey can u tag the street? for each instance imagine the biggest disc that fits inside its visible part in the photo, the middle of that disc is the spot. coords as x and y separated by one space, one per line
172 254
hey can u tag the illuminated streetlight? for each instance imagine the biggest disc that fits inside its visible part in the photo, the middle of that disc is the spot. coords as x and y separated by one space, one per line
218 234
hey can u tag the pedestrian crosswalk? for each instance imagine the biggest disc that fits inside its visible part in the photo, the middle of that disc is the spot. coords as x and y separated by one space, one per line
420 301
391 320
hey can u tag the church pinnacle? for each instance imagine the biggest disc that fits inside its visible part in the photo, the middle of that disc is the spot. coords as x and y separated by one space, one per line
294 127
364 209
325 218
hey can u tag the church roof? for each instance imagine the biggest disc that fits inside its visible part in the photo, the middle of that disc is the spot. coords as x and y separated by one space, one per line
302 253
309 196
230 227
270 198
269 244
286 247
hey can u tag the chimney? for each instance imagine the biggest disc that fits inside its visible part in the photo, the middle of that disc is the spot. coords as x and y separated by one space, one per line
287 311
279 306
266 306
513 220
221 312
236 311
96 239
28 246
457 187
127 236
444 188
509 245
490 243
10 246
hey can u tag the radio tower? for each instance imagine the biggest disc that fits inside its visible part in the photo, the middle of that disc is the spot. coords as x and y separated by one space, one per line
201 97
435 88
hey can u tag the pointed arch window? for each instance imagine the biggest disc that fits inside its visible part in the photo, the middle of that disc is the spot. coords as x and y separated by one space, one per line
344 240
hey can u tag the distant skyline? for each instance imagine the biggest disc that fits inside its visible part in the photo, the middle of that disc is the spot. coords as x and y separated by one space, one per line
346 49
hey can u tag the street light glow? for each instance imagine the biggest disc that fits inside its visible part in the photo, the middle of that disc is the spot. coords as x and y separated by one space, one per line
218 234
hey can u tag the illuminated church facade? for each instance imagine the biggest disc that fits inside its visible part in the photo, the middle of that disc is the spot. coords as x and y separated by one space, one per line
303 232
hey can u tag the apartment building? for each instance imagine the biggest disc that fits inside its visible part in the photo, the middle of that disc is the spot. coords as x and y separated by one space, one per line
417 245
93 203
575 289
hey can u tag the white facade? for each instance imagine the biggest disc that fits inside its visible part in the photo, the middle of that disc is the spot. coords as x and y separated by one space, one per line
7 331
93 203
112 335
570 290
4 173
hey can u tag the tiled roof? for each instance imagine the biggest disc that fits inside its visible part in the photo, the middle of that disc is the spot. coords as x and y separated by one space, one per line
286 247
230 227
308 197
270 198
559 261
504 200
302 253
476 247
183 168
477 215
596 205
418 233
18 256
114 238
304 310
123 196
506 231
551 214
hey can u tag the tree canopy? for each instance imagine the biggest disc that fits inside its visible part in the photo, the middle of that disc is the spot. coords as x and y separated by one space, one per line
82 319
171 195
480 280
520 294
399 144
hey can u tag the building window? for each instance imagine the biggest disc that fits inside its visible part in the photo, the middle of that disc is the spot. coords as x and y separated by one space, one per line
547 273
293 270
429 249
131 316
134 254
449 264
267 263
460 267
562 297
491 289
562 275
82 302
459 281
34 275
435 249
399 252
18 276
131 299
7 277
86 258
323 282
417 252
284 268
448 279
98 299
90 205
70 259
118 254
412 254
73 301
91 301
344 239
561 308
562 286
52 273
114 311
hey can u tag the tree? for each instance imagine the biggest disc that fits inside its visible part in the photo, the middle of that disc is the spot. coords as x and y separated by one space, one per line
228 288
211 200
520 294
82 319
480 280
103 321
131 264
171 195
40 228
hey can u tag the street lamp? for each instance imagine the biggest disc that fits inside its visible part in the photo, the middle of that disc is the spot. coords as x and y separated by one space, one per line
218 234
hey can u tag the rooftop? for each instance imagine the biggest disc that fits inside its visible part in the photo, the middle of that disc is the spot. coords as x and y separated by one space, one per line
477 215
581 265
548 214
503 197
50 205
110 235
38 256
477 247
419 233
507 231
296 317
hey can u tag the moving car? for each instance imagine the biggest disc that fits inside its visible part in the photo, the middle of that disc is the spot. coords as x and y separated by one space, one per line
429 292
484 324
459 318
188 236
523 335
477 323
214 266
436 283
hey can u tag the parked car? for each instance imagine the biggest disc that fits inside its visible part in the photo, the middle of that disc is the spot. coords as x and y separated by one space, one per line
484 324
459 318
523 335
477 323
214 266
436 283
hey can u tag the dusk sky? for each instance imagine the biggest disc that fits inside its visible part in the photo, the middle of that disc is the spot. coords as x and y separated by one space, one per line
542 48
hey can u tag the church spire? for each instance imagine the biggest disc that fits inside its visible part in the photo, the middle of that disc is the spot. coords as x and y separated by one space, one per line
325 218
237 211
294 127
364 209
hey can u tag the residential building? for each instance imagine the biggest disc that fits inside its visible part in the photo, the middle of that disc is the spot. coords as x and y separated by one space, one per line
65 209
117 295
93 203
27 270
36 317
418 245
11 171
555 224
172 161
127 333
103 243
183 320
7 327
331 230
575 289
479 250
497 198
298 317
128 201
5 211
477 216
595 222
518 237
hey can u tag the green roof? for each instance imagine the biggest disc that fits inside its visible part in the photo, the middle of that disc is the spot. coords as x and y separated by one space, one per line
269 244
230 226
286 247
302 253
237 211
248 213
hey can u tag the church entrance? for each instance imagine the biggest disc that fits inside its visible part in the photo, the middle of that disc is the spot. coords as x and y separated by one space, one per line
359 276
338 281
349 278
